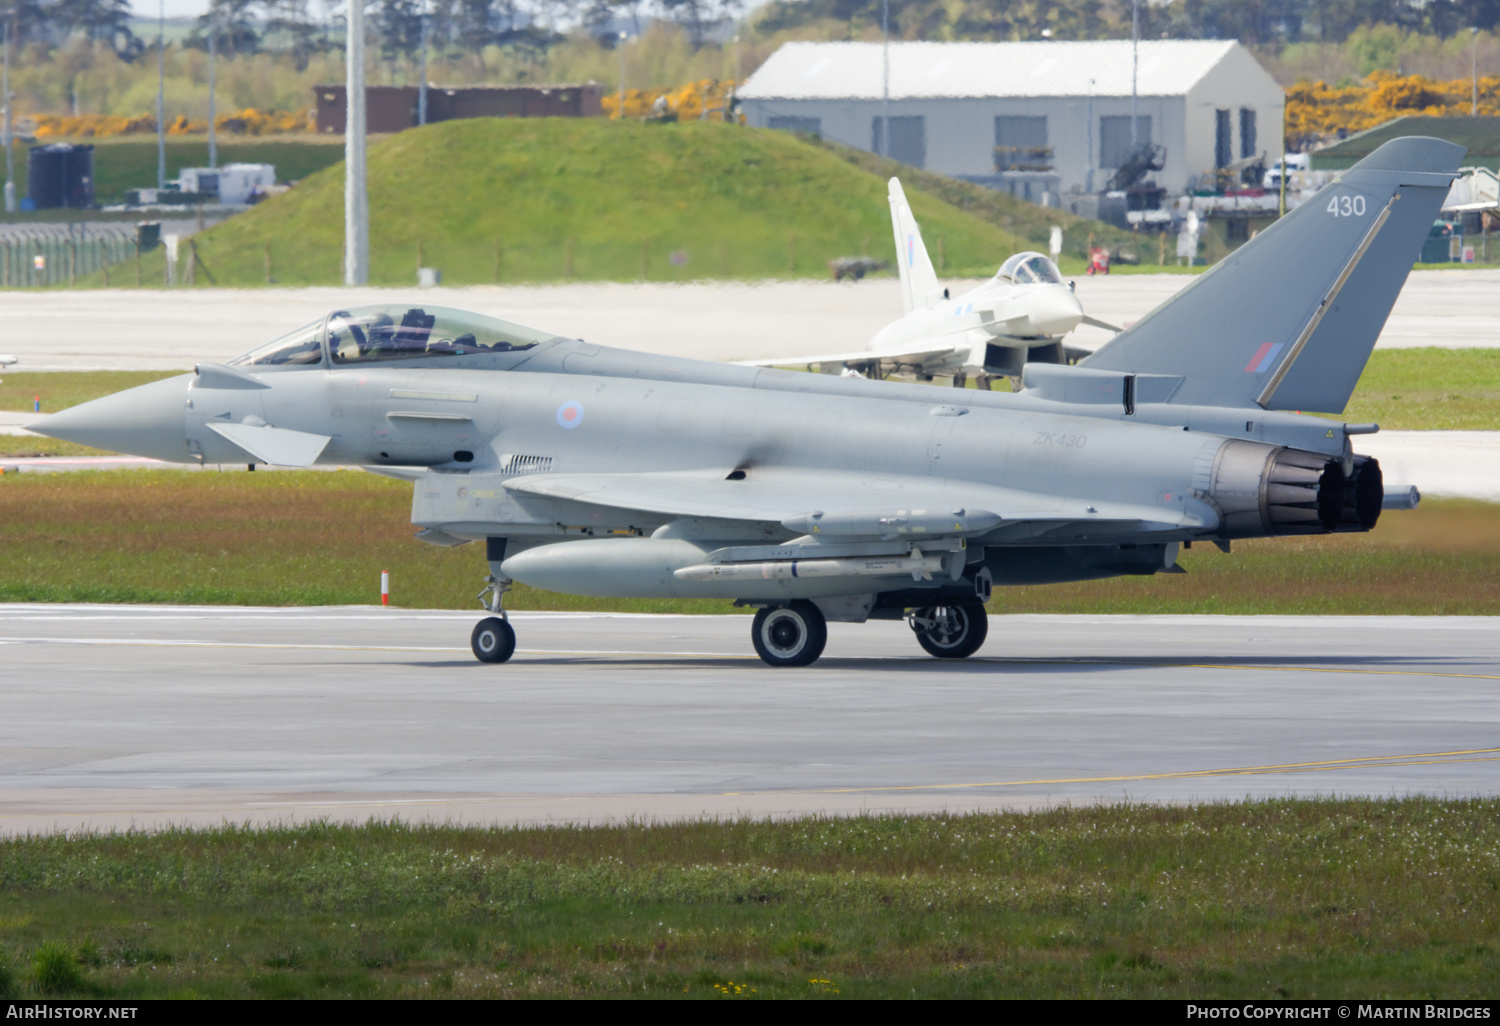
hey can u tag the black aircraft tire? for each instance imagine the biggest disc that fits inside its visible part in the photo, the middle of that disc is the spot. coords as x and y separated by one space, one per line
493 640
792 635
960 630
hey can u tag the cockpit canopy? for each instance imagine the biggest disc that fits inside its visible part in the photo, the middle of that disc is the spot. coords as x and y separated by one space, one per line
372 334
1030 269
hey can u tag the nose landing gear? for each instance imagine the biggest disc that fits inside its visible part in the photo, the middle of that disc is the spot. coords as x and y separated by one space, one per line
493 640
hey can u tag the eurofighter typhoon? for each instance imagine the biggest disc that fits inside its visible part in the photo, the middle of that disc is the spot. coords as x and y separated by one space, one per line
812 498
1019 315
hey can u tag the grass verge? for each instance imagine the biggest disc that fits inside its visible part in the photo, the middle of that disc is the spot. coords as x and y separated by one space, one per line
321 538
1328 899
1429 390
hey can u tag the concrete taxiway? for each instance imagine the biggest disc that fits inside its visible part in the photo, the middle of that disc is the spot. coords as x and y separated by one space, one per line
127 715
126 329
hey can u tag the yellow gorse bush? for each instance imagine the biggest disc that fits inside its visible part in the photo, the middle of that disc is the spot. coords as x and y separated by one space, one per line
705 99
246 122
1316 110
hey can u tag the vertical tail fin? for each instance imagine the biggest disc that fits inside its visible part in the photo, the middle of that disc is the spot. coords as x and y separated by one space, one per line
1288 320
919 282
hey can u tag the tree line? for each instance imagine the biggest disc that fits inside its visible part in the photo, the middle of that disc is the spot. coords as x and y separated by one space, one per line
403 28
1255 23
400 28
50 23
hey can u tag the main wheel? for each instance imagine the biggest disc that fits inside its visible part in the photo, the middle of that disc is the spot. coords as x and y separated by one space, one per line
493 640
951 632
793 635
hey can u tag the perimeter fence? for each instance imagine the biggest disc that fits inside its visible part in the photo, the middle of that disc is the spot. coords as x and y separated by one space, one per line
54 255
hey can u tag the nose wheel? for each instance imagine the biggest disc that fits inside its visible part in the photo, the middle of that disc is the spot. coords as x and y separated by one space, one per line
950 632
792 635
493 640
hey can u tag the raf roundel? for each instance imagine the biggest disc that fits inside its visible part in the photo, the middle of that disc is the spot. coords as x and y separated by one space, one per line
570 414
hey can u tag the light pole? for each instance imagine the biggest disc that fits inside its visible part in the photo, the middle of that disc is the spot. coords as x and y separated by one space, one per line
1474 71
161 85
213 33
356 199
422 85
1135 63
885 78
10 166
620 46
1088 183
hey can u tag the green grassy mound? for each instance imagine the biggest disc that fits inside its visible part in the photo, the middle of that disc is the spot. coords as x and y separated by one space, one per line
489 200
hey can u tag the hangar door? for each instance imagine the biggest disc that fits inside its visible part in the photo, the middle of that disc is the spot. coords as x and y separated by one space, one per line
908 139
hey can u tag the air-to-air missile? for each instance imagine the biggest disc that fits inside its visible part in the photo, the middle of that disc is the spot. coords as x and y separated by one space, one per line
811 497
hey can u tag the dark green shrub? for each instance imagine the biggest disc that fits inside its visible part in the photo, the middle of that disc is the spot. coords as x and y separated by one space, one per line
54 969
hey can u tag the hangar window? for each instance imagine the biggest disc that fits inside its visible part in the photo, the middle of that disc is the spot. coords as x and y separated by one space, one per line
1115 146
1021 144
379 333
908 139
1247 132
300 348
1223 141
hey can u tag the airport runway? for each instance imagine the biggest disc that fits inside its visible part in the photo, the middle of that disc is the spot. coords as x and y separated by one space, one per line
136 715
126 329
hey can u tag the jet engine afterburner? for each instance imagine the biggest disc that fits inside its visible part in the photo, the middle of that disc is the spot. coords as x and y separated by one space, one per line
1272 490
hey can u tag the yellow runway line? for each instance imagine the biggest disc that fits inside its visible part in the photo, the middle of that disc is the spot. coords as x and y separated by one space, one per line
1155 665
1365 762
1336 669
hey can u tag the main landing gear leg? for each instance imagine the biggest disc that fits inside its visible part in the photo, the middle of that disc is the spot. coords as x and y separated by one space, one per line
950 632
493 640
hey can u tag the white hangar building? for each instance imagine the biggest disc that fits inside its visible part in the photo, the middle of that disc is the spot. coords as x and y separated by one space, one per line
1027 117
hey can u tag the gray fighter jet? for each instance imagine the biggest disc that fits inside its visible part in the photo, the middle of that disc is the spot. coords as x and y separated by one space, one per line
812 498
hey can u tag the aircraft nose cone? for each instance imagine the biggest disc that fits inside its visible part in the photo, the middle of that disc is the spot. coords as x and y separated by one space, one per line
143 421
1055 310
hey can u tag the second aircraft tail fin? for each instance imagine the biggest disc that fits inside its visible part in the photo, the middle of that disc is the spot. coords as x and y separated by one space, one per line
919 282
